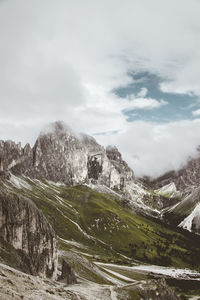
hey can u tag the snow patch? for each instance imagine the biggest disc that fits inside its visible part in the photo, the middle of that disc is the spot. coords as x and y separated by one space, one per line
125 278
188 221
172 272
73 243
168 190
57 184
19 182
135 191
103 189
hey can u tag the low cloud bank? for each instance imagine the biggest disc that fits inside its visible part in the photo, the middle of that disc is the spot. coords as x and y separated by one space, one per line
153 149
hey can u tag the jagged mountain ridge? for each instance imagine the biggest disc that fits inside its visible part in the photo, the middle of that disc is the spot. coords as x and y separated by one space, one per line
92 224
187 176
61 156
184 213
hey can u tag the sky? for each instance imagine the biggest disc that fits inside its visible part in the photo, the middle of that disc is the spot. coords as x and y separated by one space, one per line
127 73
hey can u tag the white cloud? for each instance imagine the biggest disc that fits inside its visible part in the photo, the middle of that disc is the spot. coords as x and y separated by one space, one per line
62 60
143 92
152 149
196 112
144 103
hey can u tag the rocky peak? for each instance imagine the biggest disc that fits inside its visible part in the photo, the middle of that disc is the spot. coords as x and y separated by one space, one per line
91 144
115 157
113 153
15 158
58 128
60 155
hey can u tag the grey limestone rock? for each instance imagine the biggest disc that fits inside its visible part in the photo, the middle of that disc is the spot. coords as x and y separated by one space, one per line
67 275
24 227
60 155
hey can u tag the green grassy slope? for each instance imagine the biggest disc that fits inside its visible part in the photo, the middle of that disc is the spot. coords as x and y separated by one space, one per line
99 225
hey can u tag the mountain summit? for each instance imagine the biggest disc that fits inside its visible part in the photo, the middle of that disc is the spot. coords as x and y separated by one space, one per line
62 156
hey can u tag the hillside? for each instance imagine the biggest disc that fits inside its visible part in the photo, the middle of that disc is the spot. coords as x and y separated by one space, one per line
95 228
122 238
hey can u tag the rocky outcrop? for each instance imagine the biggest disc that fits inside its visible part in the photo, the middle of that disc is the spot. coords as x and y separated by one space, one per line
16 158
25 228
67 274
158 290
106 169
17 285
115 158
60 155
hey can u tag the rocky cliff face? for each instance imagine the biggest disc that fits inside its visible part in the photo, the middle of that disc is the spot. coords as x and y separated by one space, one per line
24 227
14 157
61 156
107 168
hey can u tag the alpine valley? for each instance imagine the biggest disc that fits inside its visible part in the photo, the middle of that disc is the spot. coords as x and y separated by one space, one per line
76 224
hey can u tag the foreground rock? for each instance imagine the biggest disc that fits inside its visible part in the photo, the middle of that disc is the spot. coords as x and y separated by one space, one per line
26 229
67 274
17 285
159 290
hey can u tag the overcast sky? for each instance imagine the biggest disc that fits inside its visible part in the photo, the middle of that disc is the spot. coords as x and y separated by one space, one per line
126 72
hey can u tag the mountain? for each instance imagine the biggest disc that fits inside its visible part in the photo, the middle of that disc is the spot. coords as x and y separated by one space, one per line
109 246
60 155
68 199
187 176
183 195
186 213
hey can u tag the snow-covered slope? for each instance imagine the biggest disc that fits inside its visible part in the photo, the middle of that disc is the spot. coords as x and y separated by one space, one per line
186 213
192 222
168 190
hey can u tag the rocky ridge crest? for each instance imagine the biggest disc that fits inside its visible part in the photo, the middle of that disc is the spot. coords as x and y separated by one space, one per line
59 155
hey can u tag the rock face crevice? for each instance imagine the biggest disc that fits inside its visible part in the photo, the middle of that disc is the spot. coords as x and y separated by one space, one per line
24 227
